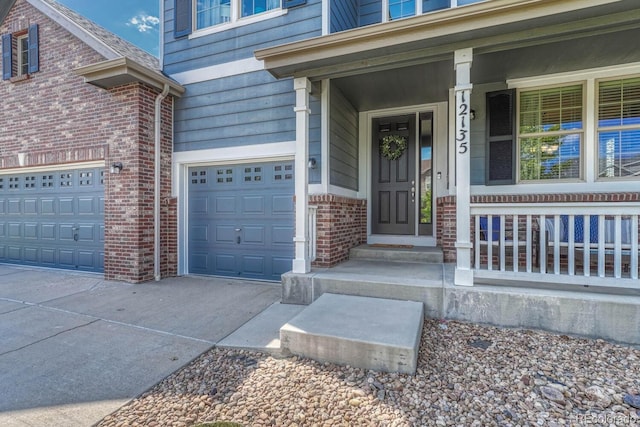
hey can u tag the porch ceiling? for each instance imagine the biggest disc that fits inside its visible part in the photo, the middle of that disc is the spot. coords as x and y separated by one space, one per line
488 27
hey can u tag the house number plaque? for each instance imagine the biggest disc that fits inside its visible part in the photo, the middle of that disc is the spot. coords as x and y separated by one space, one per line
462 120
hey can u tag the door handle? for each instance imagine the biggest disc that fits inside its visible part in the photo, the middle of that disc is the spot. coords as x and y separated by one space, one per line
238 229
238 239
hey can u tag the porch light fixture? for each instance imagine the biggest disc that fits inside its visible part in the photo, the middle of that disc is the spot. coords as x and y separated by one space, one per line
312 163
116 167
472 114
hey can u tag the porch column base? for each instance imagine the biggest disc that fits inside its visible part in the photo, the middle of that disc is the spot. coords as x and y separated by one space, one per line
301 266
463 277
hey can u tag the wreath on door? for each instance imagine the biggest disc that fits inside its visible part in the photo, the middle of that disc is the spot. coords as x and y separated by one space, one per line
392 146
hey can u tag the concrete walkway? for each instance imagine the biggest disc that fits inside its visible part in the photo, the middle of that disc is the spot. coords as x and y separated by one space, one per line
74 347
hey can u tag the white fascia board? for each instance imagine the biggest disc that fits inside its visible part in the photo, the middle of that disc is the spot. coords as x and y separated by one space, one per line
219 71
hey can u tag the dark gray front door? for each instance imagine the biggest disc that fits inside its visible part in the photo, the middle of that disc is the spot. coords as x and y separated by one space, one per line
393 180
241 220
53 219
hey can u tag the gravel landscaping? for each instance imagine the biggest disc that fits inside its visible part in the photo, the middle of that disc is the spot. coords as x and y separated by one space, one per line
468 375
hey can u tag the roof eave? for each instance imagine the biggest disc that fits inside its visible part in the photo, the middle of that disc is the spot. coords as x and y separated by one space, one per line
293 59
121 71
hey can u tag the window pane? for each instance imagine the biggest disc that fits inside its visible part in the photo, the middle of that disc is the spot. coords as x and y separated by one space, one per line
212 12
252 7
23 51
551 110
431 5
619 103
619 153
401 8
550 157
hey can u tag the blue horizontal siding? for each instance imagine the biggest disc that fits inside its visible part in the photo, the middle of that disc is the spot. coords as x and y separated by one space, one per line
240 42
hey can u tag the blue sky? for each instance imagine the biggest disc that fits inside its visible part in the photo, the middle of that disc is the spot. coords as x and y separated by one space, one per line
133 20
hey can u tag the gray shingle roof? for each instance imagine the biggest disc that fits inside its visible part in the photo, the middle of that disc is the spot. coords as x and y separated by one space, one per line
119 46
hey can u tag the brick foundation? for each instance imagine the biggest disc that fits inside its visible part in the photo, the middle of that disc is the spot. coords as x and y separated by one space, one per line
342 225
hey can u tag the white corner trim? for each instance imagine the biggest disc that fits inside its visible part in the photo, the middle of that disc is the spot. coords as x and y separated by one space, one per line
239 23
574 76
218 71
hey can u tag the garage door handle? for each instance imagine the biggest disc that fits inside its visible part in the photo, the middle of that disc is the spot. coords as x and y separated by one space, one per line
238 239
75 237
238 229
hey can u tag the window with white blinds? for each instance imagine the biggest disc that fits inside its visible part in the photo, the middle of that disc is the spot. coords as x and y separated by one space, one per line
619 128
550 135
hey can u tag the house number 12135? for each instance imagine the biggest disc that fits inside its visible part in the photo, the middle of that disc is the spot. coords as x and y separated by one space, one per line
462 137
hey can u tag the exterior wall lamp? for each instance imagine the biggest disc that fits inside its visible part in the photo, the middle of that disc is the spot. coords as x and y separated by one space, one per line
116 167
312 163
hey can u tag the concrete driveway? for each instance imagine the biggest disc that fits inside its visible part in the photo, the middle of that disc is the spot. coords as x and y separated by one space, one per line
74 347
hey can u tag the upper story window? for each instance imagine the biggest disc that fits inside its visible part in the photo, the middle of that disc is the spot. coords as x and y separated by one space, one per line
20 53
405 8
194 15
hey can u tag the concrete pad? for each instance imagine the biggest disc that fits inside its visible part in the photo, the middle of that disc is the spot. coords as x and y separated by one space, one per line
202 308
262 333
98 365
9 306
369 333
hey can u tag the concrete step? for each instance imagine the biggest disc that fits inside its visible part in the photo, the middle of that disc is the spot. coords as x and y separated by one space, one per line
398 253
369 333
421 282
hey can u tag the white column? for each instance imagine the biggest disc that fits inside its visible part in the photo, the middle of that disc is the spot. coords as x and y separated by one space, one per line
301 262
462 62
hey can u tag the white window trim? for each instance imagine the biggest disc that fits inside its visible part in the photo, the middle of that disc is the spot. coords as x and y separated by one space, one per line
236 20
590 182
583 137
19 53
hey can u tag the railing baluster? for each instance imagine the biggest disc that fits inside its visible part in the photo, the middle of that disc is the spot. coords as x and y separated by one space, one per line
634 247
542 219
586 246
601 243
477 241
556 244
617 247
489 242
528 238
571 245
516 256
502 242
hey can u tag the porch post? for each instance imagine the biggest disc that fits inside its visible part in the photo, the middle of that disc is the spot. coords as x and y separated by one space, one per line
301 262
462 62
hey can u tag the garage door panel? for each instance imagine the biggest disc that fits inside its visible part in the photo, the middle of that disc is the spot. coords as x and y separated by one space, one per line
199 233
66 206
199 262
225 205
47 206
252 203
14 230
13 206
30 230
30 206
54 219
253 235
31 255
200 205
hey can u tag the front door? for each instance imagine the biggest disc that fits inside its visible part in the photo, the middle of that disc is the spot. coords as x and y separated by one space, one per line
394 186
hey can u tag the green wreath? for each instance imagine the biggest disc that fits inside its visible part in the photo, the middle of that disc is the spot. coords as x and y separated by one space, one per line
388 142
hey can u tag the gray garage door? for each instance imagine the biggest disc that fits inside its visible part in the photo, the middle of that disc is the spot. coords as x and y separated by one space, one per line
241 220
53 219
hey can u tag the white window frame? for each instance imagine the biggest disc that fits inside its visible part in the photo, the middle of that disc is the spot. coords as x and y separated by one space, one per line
236 19
581 171
20 51
610 128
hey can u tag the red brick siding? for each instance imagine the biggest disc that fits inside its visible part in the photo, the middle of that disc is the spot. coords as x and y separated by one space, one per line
342 225
56 118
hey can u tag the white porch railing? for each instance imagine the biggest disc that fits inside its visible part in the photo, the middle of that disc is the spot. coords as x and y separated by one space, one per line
567 243
313 232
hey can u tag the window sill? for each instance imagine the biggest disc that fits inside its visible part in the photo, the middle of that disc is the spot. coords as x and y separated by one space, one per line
18 79
239 23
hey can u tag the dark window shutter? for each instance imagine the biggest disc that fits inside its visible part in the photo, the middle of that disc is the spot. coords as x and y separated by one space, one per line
501 138
6 56
182 18
34 60
286 4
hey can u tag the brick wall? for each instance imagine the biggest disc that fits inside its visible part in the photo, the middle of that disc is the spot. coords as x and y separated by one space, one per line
342 225
55 118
